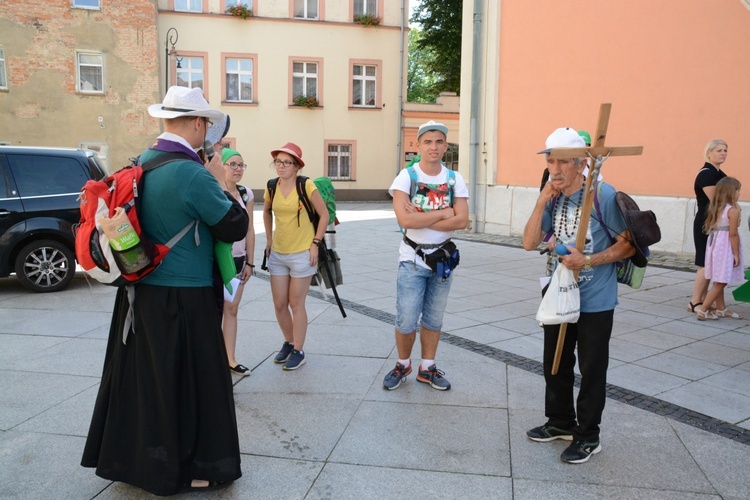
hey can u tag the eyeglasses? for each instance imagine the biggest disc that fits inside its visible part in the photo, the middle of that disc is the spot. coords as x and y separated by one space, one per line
234 165
286 163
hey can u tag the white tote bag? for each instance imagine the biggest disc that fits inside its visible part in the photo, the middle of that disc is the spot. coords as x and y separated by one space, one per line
562 302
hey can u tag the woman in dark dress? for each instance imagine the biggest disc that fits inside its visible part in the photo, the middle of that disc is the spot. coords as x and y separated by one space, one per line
705 184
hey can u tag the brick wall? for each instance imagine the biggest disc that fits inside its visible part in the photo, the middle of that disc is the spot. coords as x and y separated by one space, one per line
41 106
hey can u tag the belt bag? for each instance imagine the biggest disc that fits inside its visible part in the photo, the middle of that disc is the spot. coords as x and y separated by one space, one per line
443 260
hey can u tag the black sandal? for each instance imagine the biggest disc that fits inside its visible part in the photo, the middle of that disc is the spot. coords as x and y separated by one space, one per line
240 370
211 486
692 306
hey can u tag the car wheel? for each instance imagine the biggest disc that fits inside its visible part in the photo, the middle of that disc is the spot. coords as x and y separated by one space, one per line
45 266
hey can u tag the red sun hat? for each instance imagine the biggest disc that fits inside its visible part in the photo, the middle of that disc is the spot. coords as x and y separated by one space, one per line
290 148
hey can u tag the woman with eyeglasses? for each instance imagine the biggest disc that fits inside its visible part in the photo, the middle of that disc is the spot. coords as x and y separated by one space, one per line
242 251
291 250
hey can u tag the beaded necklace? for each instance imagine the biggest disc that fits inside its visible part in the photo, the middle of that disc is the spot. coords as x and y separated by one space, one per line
565 222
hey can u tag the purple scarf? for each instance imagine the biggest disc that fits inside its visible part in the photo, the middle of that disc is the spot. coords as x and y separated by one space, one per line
175 147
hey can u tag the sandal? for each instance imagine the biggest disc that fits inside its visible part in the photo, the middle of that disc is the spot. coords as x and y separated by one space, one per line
704 315
691 307
726 313
240 370
211 486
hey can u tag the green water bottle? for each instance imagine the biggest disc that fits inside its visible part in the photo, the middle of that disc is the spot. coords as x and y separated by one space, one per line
128 250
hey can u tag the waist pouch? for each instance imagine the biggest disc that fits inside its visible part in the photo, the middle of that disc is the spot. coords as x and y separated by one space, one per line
442 261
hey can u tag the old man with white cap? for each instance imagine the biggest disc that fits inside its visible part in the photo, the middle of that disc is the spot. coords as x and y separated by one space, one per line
558 211
430 202
164 418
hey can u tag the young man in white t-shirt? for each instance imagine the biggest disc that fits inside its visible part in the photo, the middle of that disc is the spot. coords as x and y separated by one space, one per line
428 216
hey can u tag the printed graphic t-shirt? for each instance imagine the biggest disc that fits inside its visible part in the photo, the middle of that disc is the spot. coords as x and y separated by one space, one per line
433 193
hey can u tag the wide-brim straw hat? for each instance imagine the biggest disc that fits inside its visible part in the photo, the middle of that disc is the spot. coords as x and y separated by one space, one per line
290 148
183 101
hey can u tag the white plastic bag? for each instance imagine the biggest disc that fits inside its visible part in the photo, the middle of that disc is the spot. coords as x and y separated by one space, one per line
562 302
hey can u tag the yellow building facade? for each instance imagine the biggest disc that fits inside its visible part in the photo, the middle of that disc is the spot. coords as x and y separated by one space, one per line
300 71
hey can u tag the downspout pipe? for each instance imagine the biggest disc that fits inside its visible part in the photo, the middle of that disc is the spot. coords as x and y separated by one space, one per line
476 76
400 131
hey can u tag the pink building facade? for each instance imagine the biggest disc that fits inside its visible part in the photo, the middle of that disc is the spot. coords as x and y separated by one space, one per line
675 71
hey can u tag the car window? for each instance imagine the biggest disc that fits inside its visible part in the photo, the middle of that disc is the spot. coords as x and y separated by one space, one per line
98 169
47 175
4 185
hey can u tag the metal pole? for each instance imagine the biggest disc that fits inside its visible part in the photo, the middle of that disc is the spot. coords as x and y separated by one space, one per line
400 143
476 80
169 40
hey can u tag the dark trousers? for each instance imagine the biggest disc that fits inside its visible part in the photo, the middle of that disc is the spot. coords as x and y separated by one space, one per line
592 334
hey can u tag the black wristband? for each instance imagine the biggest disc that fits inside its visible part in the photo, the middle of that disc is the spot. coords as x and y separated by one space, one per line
316 242
251 265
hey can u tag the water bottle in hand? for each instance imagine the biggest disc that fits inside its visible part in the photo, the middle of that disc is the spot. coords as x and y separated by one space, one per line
561 249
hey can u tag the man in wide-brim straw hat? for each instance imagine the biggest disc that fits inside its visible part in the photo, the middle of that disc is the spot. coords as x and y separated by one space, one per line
164 418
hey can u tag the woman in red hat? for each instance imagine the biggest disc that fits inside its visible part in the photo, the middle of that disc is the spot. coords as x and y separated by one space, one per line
292 250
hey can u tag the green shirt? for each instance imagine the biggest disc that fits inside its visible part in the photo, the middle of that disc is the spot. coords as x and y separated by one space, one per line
172 196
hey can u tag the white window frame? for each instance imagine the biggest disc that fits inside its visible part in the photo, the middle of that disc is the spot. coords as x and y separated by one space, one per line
336 156
363 79
240 73
187 6
363 10
232 3
186 67
306 9
305 75
3 73
76 4
79 66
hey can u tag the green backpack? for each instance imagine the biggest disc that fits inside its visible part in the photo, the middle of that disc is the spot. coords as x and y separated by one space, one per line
328 193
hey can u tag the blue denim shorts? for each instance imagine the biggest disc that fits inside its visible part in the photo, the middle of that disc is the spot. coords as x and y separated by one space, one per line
420 291
296 265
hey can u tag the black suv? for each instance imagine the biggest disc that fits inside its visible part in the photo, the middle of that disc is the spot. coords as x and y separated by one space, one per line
39 190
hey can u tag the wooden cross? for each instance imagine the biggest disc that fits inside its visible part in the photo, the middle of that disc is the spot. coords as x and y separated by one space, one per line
599 153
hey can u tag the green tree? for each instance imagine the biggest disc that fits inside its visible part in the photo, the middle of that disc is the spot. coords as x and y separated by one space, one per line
440 21
420 82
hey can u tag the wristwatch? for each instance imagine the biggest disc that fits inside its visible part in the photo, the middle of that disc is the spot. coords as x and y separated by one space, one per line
587 267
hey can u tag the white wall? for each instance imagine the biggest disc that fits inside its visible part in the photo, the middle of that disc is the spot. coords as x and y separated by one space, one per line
509 207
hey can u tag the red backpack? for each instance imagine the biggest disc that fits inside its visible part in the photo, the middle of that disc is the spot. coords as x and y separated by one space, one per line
100 199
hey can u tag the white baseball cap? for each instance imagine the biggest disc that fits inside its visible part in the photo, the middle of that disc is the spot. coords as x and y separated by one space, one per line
564 137
432 125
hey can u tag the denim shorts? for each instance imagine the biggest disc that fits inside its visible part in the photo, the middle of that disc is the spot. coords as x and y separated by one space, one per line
420 291
296 265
